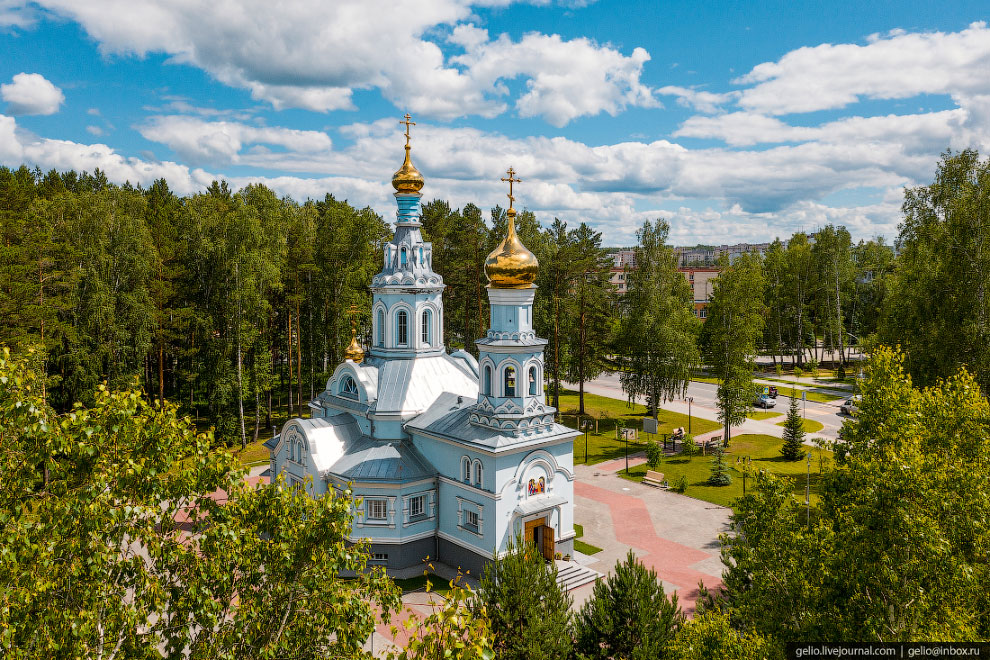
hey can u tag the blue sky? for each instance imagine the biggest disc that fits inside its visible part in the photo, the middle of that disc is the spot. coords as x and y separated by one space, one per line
734 121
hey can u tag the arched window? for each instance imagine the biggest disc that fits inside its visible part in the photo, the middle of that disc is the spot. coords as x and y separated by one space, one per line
426 327
532 381
402 328
348 388
477 473
402 257
381 327
510 382
466 470
488 380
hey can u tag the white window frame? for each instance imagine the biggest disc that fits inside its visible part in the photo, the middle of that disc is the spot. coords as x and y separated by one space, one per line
371 505
472 520
420 502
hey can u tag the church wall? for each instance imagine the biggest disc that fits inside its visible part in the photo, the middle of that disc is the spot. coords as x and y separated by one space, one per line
467 561
399 524
411 554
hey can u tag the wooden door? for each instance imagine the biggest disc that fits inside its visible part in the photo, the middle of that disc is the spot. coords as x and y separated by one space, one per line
547 544
531 527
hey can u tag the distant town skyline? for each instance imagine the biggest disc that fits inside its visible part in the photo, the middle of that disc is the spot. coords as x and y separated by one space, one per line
736 123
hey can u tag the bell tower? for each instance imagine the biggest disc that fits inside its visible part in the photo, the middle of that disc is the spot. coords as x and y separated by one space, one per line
510 361
407 307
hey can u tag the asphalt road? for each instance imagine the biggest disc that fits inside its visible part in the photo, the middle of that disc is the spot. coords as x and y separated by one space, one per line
704 405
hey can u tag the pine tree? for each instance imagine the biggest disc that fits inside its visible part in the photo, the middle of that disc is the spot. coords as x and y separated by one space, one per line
627 616
793 433
530 614
720 470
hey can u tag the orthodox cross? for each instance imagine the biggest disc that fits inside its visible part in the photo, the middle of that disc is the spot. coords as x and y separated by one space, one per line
352 312
512 173
408 124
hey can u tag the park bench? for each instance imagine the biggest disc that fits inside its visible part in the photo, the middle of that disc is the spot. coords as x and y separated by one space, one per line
654 478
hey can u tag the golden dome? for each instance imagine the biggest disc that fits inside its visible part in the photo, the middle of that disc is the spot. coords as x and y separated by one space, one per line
354 351
407 178
511 265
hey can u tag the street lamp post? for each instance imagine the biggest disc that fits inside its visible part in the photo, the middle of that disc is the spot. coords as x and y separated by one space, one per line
690 401
807 491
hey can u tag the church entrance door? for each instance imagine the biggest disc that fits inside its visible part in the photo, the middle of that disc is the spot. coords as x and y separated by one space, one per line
531 527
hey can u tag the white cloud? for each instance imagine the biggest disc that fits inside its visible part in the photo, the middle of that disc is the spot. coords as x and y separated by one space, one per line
896 66
221 142
94 130
16 14
31 94
700 100
314 55
564 79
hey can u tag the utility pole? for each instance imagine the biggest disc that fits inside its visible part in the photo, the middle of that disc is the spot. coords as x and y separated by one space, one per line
807 491
690 401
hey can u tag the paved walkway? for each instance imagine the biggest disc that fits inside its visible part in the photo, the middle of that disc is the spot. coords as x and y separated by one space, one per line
676 536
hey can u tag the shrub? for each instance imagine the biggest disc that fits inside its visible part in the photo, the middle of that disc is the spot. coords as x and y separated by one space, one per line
680 485
840 373
688 446
654 454
798 372
779 368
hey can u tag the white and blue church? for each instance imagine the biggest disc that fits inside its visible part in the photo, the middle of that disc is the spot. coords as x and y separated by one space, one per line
446 457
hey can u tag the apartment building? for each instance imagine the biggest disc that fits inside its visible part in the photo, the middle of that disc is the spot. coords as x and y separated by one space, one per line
701 279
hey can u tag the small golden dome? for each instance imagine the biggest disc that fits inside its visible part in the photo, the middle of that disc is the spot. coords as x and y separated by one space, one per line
407 179
354 352
511 265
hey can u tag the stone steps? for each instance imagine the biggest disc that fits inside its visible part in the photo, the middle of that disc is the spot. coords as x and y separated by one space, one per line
571 575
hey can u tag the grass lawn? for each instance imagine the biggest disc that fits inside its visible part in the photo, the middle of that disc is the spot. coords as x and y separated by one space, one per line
437 584
764 450
610 413
762 414
254 453
581 546
810 425
817 397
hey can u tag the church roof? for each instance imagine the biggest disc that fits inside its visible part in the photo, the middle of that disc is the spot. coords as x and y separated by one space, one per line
405 386
382 460
328 438
450 417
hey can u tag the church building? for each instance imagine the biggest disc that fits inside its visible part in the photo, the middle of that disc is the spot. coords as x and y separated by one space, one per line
445 456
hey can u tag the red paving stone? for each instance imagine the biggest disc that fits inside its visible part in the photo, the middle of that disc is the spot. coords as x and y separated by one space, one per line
634 527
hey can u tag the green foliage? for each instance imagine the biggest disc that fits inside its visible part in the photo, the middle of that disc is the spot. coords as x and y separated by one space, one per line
710 635
680 485
122 532
654 454
658 335
529 613
896 550
453 630
689 447
793 447
938 306
735 321
720 470
627 616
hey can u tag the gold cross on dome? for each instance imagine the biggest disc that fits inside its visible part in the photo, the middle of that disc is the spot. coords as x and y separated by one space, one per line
512 173
408 124
352 312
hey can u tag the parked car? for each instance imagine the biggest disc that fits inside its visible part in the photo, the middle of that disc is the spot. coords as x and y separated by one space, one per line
772 392
764 401
850 406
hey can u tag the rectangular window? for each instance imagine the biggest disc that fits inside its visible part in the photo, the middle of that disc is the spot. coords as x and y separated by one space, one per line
416 506
379 556
471 520
377 510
